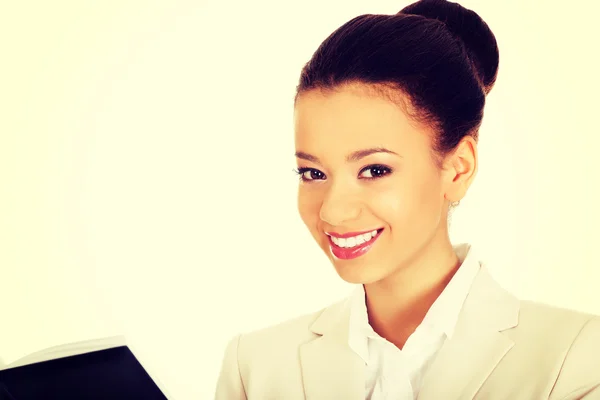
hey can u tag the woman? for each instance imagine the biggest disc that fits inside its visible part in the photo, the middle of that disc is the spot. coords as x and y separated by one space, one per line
386 125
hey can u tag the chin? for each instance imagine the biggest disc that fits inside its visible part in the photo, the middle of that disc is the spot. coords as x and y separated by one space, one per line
357 272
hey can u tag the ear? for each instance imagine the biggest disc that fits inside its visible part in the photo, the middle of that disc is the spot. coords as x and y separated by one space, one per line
460 168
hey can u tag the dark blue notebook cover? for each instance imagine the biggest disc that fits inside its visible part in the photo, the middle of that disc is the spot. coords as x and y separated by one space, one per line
106 374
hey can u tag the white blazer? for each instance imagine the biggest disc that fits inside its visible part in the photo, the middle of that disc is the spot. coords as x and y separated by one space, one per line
502 348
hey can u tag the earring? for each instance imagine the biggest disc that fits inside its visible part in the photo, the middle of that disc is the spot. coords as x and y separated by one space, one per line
455 203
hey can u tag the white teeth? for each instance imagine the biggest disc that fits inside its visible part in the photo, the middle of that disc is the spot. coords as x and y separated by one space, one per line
355 240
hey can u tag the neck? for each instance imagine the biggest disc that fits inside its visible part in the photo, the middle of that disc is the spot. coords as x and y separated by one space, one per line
398 304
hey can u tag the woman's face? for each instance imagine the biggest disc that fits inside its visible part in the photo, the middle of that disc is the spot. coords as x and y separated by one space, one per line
366 172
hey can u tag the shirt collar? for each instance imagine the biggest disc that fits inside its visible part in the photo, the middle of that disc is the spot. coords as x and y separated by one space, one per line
359 328
442 315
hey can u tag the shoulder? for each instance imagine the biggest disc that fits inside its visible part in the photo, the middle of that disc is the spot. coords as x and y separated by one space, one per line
570 337
269 357
556 325
533 312
292 332
580 371
282 340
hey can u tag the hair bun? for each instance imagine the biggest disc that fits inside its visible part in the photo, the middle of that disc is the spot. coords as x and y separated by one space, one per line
468 26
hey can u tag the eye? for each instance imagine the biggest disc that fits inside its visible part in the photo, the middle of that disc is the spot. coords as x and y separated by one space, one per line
310 174
374 171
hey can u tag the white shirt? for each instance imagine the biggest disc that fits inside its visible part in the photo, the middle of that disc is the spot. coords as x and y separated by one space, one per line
392 373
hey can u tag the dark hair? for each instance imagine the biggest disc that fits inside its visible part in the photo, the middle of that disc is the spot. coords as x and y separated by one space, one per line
440 55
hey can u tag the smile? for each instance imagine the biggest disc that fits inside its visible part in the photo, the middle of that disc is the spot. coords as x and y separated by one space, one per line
349 246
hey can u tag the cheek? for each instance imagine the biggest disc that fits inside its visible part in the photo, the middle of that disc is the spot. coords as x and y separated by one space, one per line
409 205
309 206
392 208
427 206
430 194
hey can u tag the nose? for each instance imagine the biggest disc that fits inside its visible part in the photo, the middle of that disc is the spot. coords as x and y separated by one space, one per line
339 206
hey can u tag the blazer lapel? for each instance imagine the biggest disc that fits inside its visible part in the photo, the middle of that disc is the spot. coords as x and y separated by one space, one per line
477 344
330 369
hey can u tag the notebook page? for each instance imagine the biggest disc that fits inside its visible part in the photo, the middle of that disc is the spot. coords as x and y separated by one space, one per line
71 349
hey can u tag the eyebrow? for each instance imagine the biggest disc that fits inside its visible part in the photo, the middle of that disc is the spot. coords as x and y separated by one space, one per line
352 157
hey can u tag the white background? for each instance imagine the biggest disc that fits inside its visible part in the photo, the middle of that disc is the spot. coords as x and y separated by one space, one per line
146 156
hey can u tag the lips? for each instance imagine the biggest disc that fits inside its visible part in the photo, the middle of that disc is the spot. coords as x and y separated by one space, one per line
351 245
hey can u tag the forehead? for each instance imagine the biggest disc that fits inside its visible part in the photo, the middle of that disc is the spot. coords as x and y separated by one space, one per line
351 118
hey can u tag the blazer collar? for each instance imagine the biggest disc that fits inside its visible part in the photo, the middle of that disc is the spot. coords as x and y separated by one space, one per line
330 368
477 345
